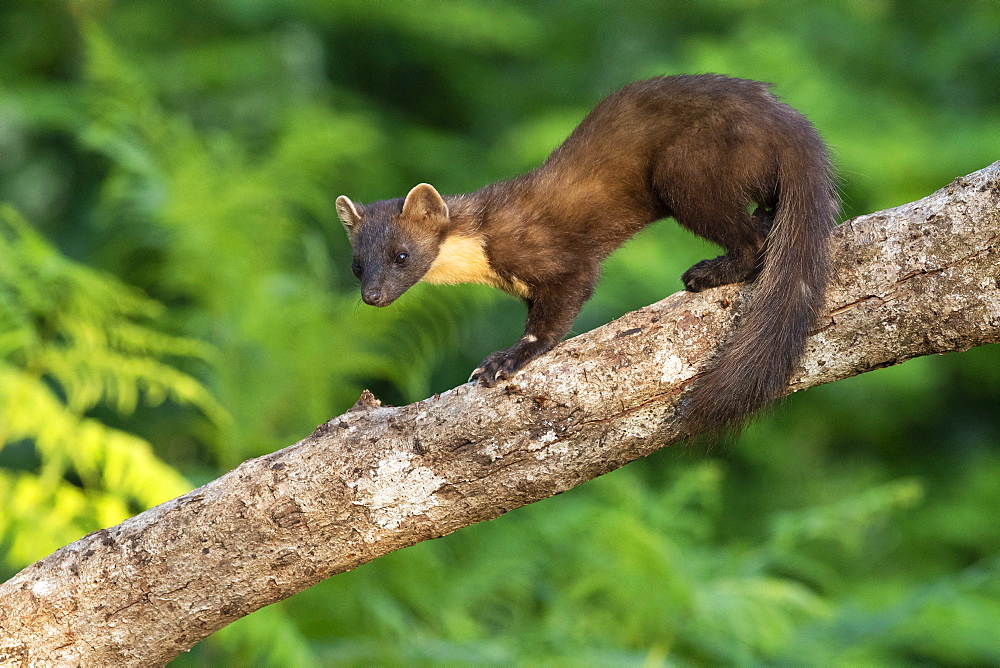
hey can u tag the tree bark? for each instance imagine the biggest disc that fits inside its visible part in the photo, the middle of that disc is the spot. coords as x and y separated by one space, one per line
918 279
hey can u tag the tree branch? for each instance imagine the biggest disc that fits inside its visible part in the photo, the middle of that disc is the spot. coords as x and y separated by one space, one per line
918 279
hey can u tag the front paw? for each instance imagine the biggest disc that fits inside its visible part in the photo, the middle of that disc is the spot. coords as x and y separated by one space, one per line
498 366
503 364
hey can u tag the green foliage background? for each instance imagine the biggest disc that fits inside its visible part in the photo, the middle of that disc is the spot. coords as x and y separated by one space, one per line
175 296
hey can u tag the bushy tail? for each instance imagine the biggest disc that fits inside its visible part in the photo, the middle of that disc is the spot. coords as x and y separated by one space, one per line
754 365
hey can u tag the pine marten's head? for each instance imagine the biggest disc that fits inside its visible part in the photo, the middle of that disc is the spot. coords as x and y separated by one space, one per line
394 241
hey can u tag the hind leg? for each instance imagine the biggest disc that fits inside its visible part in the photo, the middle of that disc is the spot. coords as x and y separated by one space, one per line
743 238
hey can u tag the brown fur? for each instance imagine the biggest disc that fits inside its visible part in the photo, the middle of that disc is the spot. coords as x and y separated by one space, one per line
700 148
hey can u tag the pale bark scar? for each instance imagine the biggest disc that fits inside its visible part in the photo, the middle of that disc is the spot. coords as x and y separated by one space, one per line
397 490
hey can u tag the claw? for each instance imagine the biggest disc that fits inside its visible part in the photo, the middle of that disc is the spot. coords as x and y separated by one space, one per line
501 365
486 376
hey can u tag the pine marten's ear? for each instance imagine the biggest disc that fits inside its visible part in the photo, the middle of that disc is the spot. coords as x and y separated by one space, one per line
349 213
424 201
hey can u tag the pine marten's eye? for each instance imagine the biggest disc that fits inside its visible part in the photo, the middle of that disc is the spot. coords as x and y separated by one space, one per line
356 268
401 257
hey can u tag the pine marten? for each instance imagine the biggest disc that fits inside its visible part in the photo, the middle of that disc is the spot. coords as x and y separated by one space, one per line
722 156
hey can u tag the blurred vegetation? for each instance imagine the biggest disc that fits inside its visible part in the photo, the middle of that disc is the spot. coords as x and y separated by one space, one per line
175 296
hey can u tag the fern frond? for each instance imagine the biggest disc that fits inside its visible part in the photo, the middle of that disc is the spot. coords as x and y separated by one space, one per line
71 340
844 523
88 333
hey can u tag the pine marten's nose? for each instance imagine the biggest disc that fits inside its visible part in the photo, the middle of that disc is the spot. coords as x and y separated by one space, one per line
372 296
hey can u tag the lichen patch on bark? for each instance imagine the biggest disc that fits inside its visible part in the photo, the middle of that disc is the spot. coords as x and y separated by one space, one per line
397 490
